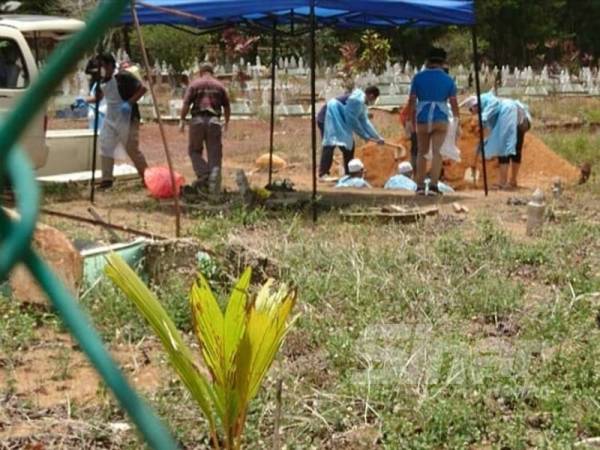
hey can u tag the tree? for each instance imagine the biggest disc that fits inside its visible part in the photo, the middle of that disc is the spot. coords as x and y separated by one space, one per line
44 7
517 30
175 47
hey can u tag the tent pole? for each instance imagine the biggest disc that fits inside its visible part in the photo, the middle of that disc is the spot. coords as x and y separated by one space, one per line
273 75
95 141
313 112
478 88
158 118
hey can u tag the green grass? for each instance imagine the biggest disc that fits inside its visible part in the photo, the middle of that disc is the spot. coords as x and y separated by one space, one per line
18 324
564 109
434 335
535 386
577 146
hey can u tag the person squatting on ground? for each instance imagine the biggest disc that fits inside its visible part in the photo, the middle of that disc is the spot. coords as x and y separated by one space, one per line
342 117
403 180
355 177
208 100
508 121
430 92
121 91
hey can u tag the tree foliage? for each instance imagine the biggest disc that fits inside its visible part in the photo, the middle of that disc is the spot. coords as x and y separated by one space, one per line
175 47
513 32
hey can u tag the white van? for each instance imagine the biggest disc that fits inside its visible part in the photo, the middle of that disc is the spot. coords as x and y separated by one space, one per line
25 42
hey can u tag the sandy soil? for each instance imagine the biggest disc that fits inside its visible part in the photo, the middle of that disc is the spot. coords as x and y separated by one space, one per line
246 140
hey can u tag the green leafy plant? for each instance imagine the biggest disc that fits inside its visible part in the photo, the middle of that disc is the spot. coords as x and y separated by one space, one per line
376 52
238 346
175 47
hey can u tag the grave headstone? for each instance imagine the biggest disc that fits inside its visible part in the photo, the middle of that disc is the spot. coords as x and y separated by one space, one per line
240 108
392 100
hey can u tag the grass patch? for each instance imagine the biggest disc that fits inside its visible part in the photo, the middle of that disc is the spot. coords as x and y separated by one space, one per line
401 330
577 146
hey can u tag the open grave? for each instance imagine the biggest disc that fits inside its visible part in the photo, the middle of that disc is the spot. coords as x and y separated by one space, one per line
540 164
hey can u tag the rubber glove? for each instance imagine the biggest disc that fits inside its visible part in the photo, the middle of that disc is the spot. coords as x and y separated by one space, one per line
126 107
78 103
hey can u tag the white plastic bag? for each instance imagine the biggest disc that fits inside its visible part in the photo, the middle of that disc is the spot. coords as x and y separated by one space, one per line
449 149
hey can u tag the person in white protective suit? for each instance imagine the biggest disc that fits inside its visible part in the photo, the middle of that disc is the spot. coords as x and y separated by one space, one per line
121 128
431 91
508 121
355 177
343 117
403 180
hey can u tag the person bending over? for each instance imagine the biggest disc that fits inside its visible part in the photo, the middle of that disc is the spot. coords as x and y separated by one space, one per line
508 121
343 117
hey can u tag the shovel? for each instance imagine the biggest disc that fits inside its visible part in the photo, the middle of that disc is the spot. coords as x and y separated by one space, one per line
399 148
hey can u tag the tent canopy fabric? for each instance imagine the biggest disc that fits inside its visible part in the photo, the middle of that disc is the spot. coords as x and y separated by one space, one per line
339 13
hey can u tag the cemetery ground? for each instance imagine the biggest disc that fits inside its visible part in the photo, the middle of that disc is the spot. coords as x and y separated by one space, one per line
455 332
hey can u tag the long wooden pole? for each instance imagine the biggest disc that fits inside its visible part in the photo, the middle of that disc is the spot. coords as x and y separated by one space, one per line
479 116
273 76
95 140
172 11
313 101
159 119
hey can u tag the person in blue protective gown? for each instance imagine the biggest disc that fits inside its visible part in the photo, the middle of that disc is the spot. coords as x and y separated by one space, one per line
340 119
508 121
403 180
431 91
355 177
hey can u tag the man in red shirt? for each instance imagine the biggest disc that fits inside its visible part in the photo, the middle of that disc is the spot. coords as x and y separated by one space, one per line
208 99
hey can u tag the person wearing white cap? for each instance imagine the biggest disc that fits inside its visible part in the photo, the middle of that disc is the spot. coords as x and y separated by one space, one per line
355 177
508 121
402 180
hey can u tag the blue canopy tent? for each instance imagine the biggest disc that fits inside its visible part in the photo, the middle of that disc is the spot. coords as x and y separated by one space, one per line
269 14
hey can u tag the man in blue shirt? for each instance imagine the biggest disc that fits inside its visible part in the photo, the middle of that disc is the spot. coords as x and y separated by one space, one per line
430 92
344 116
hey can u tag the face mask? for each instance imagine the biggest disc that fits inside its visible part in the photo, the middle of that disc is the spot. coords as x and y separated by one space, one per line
102 72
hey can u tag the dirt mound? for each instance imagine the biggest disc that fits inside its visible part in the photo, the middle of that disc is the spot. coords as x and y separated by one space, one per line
262 162
539 165
380 163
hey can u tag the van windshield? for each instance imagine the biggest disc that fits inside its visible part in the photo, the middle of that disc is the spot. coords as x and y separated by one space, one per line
13 70
42 47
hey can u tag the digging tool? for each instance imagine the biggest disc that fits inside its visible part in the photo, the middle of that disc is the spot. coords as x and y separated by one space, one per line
400 149
114 237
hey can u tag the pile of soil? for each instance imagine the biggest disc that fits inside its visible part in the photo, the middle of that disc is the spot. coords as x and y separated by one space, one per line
540 165
380 163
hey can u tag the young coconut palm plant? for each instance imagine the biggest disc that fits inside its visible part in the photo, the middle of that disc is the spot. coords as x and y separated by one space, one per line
238 347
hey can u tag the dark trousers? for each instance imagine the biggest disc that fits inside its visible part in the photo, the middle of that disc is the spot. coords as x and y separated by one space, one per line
516 158
414 151
207 133
327 159
327 155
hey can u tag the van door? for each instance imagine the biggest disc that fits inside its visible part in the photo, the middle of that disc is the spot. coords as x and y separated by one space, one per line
17 71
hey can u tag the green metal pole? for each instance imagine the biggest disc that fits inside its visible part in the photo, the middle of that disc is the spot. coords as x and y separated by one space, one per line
15 235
